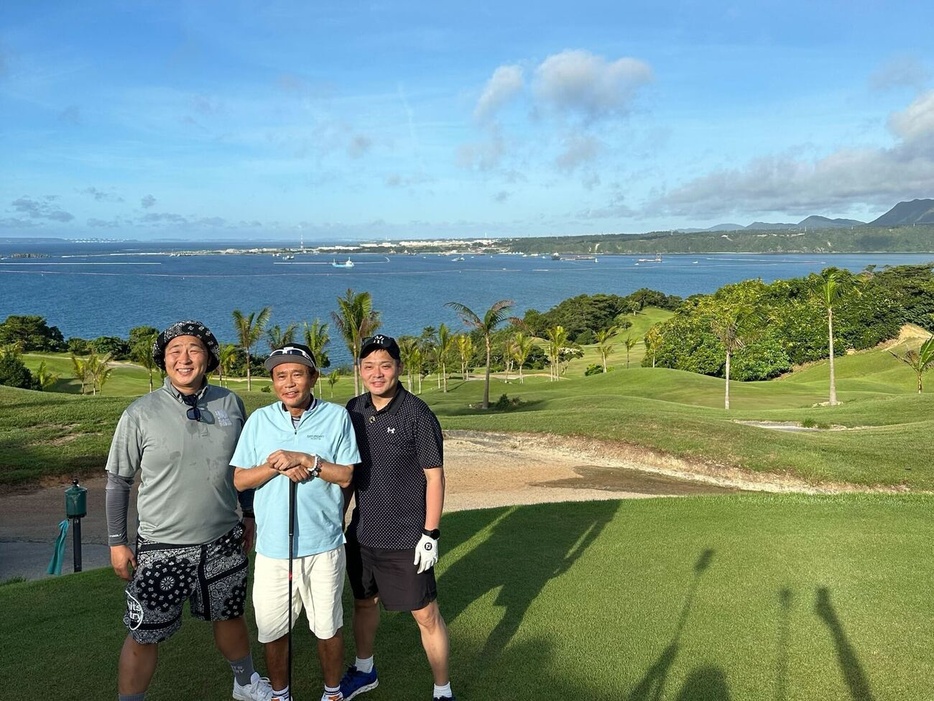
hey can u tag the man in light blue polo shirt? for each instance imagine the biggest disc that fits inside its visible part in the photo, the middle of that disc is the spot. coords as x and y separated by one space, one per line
310 442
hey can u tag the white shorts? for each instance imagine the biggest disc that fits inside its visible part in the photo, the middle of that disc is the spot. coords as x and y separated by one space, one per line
317 584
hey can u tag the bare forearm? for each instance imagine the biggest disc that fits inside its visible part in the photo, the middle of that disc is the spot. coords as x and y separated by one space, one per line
253 477
341 475
434 497
298 467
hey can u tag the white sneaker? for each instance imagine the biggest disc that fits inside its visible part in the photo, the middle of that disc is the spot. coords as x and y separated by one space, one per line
257 690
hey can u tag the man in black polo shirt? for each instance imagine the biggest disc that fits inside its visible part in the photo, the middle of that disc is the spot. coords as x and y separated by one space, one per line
392 540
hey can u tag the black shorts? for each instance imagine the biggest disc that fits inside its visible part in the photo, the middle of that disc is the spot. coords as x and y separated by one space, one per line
212 577
391 575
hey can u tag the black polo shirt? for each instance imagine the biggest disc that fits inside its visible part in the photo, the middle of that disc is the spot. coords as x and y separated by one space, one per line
397 444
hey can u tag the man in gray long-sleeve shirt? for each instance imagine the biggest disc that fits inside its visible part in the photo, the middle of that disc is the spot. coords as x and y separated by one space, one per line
191 545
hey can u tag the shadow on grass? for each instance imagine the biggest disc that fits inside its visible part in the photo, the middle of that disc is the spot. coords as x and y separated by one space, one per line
853 673
707 683
516 560
711 680
781 660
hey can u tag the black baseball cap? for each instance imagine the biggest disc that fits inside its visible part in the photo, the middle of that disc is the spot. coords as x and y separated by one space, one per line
380 342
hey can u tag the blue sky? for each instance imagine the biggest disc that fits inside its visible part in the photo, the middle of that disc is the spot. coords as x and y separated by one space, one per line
343 120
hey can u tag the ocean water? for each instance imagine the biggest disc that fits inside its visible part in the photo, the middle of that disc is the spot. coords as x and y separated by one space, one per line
91 290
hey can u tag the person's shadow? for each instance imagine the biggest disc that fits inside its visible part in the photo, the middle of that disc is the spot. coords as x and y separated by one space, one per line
853 674
524 548
706 683
652 685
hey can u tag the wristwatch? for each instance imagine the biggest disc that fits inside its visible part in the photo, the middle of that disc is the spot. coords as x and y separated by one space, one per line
434 533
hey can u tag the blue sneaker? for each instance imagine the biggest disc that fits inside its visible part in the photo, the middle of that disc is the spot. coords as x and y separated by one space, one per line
356 682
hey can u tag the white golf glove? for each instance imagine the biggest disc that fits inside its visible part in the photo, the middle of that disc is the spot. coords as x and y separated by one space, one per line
426 553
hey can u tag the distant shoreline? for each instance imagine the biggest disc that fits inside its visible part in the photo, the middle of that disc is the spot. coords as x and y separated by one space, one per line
863 240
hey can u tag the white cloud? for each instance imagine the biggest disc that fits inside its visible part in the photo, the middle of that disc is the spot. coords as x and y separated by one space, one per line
574 95
578 150
845 178
582 83
506 83
101 195
41 209
485 155
900 72
915 125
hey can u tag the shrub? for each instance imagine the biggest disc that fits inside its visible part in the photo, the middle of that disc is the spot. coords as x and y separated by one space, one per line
78 346
14 373
504 403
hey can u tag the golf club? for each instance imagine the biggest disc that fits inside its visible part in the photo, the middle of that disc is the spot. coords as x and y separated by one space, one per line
292 488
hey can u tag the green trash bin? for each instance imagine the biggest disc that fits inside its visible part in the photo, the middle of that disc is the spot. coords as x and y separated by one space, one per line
76 501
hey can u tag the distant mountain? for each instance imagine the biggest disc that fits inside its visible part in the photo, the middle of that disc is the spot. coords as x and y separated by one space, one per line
812 222
723 227
907 214
766 226
818 222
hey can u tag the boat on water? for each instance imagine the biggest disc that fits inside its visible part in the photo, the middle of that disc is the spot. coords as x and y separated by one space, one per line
656 259
346 264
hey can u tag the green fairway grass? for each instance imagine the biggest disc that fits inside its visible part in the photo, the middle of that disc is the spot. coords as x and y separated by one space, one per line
881 434
734 597
746 596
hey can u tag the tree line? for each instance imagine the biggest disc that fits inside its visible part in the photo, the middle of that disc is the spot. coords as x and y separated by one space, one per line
747 331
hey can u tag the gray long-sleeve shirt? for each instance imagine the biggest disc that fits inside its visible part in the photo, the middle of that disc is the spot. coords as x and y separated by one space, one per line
186 494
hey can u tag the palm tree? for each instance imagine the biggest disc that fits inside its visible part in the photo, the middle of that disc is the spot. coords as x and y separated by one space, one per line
604 345
332 376
521 347
280 338
427 344
443 345
45 378
410 354
249 329
830 287
100 371
557 342
464 344
80 370
629 342
92 371
509 355
919 360
142 353
493 317
317 338
355 320
227 359
731 325
653 342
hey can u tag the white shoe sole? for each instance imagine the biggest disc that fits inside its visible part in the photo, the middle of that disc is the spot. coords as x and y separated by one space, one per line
362 689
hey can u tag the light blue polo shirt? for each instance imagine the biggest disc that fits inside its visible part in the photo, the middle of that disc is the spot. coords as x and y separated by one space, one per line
324 430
